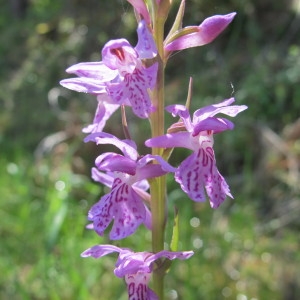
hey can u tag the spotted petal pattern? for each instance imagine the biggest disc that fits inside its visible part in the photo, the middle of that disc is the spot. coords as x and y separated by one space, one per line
124 206
198 172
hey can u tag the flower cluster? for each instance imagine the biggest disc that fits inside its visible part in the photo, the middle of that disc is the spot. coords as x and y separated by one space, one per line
136 268
132 76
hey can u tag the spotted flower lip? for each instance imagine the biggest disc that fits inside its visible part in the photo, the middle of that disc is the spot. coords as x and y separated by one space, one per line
127 176
199 170
121 74
194 36
136 267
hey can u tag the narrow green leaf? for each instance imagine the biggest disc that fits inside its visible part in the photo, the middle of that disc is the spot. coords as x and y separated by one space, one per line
175 234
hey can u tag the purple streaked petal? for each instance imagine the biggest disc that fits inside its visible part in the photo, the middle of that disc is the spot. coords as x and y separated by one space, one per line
99 214
183 113
84 85
215 124
113 162
189 176
90 226
128 212
142 262
170 140
217 189
149 76
124 206
103 113
207 31
127 147
93 70
150 171
134 89
141 8
119 55
222 107
146 46
100 250
199 170
142 185
103 178
170 255
165 166
137 287
148 218
141 191
132 263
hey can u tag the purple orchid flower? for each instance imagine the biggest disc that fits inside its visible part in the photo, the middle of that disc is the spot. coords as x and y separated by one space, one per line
194 36
135 267
126 175
121 74
199 170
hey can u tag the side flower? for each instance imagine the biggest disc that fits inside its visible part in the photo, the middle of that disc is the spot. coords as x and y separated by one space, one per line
126 175
122 73
199 170
135 267
194 36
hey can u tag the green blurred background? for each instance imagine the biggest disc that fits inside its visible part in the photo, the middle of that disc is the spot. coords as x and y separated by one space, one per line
246 249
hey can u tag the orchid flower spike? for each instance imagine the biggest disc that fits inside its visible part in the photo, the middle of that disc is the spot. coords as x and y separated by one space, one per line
199 170
135 267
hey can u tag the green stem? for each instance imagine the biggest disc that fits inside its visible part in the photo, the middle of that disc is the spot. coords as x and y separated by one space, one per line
158 185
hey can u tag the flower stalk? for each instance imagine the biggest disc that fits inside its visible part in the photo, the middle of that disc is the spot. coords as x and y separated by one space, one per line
158 185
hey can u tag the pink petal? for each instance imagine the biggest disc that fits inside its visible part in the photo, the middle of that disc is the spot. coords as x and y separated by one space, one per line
141 8
84 85
183 113
118 55
124 206
93 70
208 30
103 178
214 124
103 113
189 176
222 107
170 140
113 162
134 89
199 170
100 250
146 46
127 147
128 211
137 287
165 166
169 255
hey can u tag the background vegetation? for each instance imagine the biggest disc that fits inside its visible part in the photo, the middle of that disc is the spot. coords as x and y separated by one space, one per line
247 249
